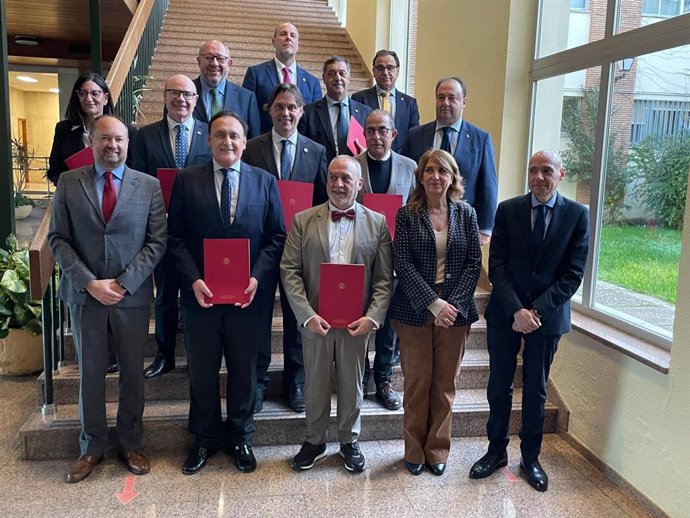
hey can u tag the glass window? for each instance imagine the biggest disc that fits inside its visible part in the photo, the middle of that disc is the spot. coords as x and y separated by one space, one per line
565 24
579 4
632 15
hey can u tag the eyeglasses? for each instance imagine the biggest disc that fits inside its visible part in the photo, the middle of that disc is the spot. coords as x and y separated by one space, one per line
95 94
210 57
388 68
383 131
184 93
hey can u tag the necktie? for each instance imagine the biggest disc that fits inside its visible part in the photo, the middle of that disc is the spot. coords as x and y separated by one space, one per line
181 146
539 225
225 197
285 168
216 102
386 102
445 142
337 215
286 75
109 196
342 127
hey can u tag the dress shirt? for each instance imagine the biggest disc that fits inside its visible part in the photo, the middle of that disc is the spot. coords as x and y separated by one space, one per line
549 213
341 237
334 111
391 99
84 135
173 129
234 184
453 136
206 96
293 71
278 148
118 175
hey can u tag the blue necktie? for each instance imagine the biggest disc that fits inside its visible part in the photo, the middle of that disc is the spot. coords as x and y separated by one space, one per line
181 146
225 197
342 127
445 142
539 225
285 168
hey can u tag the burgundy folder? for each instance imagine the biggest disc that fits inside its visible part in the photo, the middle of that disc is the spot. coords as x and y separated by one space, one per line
341 291
226 270
166 177
80 158
294 197
386 204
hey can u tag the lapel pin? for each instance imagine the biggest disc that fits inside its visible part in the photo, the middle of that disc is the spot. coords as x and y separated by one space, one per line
306 150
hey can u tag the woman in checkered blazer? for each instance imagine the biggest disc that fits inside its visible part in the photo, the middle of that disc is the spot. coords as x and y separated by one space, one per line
437 258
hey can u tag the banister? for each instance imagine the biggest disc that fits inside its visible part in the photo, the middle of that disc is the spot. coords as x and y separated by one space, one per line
41 262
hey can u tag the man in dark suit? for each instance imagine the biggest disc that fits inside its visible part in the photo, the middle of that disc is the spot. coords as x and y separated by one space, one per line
264 77
327 121
177 141
471 146
224 198
287 155
107 233
536 263
217 93
385 96
384 172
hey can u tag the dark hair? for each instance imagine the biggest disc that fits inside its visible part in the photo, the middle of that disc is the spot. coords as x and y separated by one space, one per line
458 80
446 160
239 119
382 113
284 88
73 112
385 52
336 59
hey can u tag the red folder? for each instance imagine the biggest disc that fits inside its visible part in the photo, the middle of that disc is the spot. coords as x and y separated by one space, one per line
166 177
341 291
80 158
386 204
355 133
294 197
226 270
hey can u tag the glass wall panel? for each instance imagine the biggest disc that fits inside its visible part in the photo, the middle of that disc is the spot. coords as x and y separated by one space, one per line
565 24
638 13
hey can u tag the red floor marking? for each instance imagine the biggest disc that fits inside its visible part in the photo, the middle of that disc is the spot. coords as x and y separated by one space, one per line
510 476
128 493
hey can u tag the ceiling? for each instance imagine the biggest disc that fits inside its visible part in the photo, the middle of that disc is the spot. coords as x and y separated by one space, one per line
44 82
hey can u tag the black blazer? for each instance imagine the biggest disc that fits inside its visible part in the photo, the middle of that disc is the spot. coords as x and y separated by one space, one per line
237 100
544 279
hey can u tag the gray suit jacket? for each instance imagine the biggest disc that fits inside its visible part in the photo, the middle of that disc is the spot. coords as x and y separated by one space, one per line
402 176
127 248
307 247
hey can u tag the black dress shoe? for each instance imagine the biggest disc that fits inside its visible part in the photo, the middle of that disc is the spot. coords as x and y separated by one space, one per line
536 476
488 464
415 469
437 469
197 460
112 368
159 366
296 397
259 402
244 458
387 397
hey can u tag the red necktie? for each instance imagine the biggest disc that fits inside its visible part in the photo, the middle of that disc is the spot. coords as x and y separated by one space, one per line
109 196
286 75
336 215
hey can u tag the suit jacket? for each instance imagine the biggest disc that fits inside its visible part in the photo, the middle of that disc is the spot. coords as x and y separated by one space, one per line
544 279
236 99
307 247
402 176
152 148
195 215
263 78
406 112
415 264
474 155
127 248
316 124
309 165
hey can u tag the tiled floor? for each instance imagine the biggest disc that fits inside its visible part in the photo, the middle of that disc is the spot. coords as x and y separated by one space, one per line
385 489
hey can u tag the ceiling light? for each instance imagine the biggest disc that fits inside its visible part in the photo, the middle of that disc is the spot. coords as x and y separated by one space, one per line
26 40
54 90
27 79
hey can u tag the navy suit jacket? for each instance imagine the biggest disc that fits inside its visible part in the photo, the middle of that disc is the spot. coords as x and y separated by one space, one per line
237 100
545 278
309 165
195 215
263 78
406 112
316 124
152 148
474 155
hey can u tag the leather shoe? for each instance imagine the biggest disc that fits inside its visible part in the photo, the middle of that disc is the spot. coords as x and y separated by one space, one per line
244 458
415 469
437 469
136 462
388 397
112 368
159 366
197 460
488 464
82 468
296 398
536 476
259 403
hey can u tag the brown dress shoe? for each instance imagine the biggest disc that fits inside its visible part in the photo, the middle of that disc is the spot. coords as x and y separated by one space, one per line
136 462
82 468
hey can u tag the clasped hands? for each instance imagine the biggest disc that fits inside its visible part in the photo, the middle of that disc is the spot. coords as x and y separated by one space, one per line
359 327
201 291
526 320
106 291
446 317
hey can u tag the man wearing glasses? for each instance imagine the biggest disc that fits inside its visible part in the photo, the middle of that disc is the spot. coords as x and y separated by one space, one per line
217 93
178 140
384 95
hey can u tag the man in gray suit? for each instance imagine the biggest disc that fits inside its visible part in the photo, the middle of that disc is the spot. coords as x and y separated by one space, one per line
338 231
384 172
107 233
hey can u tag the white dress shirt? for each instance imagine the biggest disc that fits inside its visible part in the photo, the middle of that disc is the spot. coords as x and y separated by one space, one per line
234 184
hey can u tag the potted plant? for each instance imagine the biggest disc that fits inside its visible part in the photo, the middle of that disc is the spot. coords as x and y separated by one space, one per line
22 157
20 317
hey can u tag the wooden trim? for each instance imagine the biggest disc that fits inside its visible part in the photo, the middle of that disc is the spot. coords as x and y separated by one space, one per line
131 5
41 262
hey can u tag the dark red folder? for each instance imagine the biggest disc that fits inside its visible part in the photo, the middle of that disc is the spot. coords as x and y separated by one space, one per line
341 291
166 177
294 197
80 158
226 270
386 204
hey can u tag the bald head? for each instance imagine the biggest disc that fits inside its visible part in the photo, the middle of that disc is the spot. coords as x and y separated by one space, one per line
544 173
180 97
286 42
344 181
214 62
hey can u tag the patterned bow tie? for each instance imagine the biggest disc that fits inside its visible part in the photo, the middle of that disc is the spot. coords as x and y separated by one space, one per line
336 215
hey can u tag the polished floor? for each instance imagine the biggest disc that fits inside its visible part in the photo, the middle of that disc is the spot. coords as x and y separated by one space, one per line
385 489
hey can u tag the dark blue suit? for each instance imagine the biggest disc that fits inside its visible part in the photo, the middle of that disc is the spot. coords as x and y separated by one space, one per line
316 124
523 276
223 329
406 112
474 155
263 78
237 100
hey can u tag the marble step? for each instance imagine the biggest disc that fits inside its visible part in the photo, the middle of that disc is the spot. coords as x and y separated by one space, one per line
165 425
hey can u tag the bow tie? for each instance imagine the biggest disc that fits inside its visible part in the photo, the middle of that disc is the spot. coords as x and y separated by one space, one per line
337 215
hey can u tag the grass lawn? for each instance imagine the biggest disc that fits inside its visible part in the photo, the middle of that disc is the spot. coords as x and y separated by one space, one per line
643 260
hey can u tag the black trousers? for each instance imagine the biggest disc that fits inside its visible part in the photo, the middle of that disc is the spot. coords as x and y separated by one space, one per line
167 289
385 341
537 355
